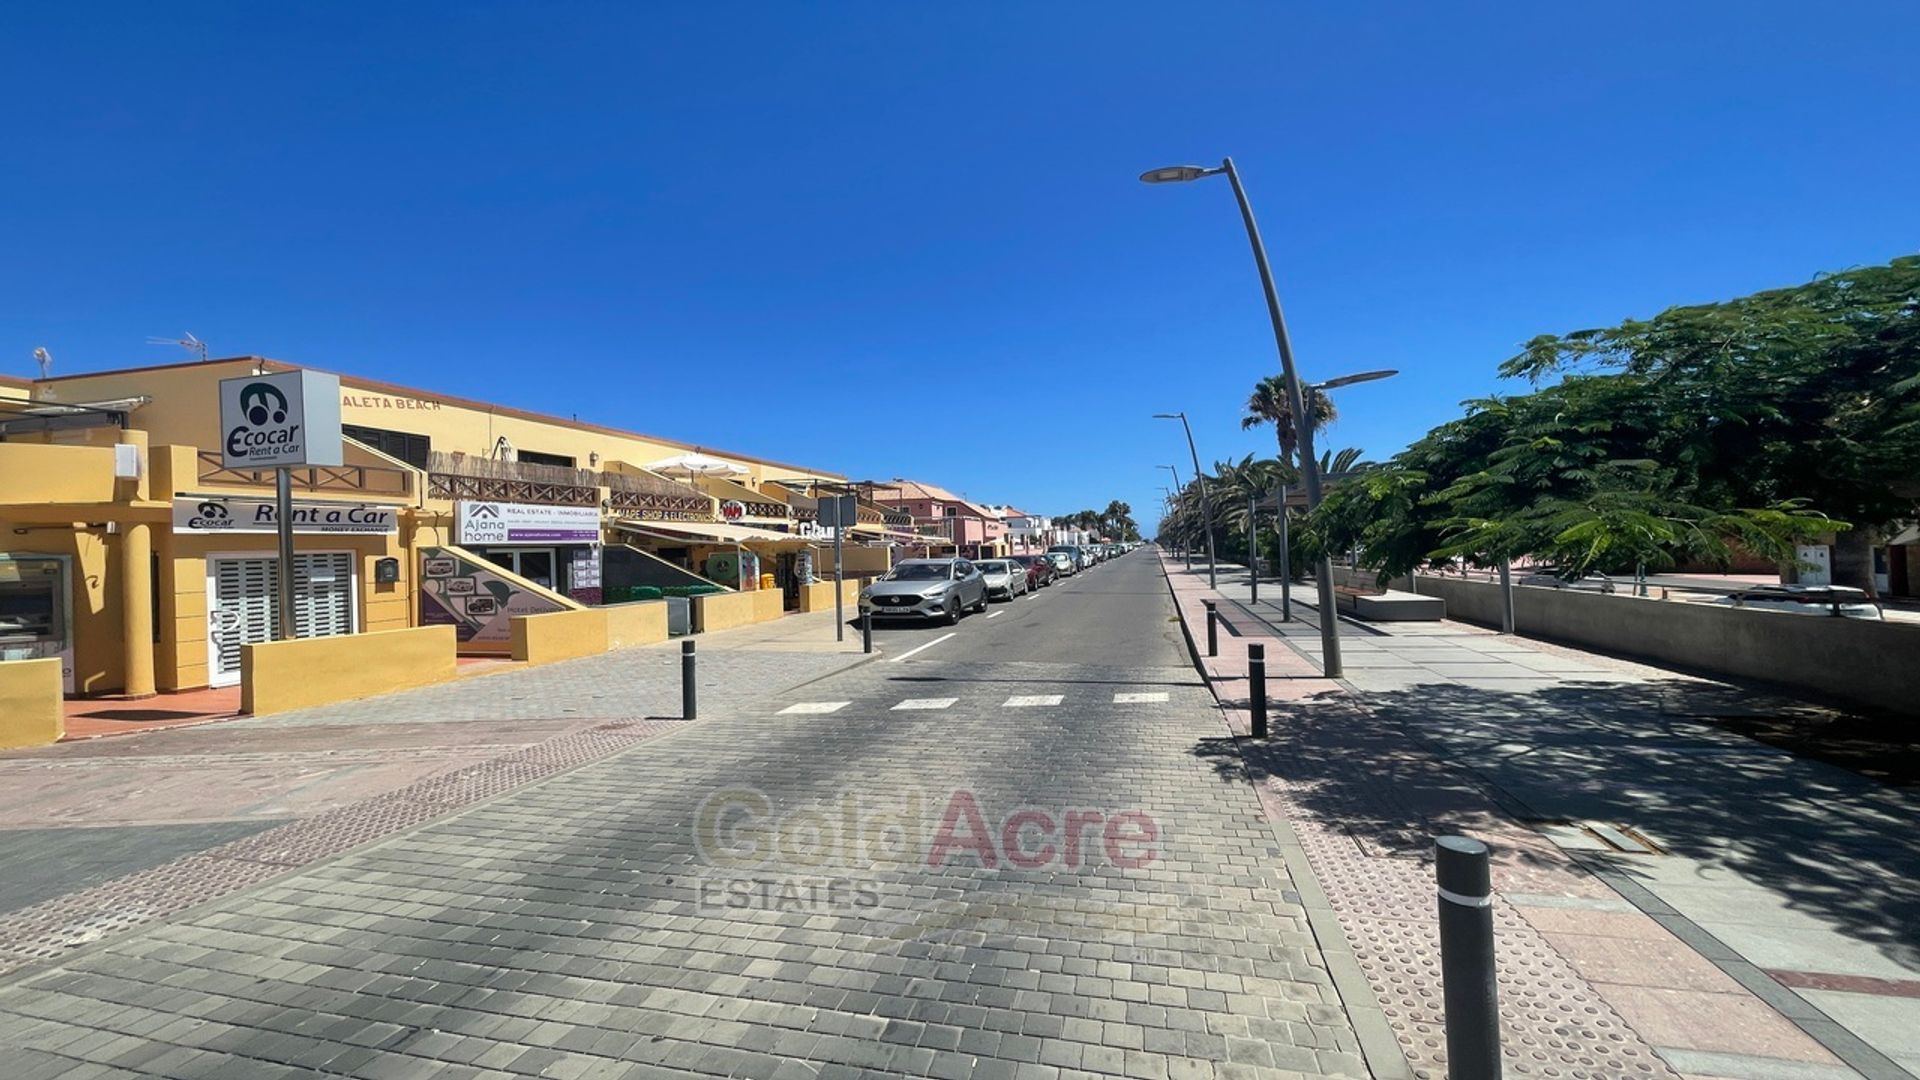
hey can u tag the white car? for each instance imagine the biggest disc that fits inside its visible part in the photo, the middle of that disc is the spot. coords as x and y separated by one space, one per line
1828 600
1005 578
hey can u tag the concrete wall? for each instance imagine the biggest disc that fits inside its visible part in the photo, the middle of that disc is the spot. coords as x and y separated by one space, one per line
1874 664
559 635
819 596
30 705
642 623
725 611
279 675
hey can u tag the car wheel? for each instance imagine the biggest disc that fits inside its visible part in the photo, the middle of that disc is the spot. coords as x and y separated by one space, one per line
953 612
981 607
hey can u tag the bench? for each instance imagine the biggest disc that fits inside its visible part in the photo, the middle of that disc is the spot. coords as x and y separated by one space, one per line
1392 605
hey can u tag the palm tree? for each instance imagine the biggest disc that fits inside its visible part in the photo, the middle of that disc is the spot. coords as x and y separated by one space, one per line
1268 405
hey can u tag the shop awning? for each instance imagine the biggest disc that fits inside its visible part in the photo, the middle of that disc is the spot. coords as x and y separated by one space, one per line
718 532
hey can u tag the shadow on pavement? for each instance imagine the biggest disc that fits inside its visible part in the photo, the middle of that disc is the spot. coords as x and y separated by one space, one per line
1649 756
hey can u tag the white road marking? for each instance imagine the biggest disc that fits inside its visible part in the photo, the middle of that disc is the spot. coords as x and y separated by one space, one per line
996 614
914 703
1139 698
1028 701
928 645
813 708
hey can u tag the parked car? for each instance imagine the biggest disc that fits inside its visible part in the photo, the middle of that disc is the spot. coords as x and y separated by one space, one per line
1063 564
1072 551
1551 577
926 589
1005 579
1067 558
1829 600
1040 570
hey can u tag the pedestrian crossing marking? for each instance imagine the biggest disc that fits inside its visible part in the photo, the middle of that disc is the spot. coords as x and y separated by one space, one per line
1027 701
813 708
1139 698
924 703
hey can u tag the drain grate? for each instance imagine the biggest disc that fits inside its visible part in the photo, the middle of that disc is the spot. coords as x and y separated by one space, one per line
1597 836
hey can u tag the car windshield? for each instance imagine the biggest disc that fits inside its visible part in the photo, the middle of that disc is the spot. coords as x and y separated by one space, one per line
925 571
992 566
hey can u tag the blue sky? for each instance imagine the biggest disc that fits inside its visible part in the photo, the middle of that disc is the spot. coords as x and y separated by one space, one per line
922 221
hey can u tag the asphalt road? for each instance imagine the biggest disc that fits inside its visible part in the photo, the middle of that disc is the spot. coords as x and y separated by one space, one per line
1116 613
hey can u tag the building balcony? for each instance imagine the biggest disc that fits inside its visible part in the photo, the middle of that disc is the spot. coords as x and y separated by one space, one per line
353 478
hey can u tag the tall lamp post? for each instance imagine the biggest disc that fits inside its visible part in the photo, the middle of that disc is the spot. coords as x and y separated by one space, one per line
1175 503
1206 501
1296 399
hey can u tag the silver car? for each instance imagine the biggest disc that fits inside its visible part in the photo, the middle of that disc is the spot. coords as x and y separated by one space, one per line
1005 578
926 589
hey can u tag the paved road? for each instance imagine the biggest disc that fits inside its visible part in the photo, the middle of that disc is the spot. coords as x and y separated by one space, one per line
1021 852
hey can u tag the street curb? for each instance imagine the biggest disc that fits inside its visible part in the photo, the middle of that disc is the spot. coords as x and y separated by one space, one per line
1379 1046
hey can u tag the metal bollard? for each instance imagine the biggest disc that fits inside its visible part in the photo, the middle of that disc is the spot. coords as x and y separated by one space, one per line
1213 629
689 688
866 630
1466 958
1257 684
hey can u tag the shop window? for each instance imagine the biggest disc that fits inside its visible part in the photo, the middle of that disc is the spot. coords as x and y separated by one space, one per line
535 457
404 445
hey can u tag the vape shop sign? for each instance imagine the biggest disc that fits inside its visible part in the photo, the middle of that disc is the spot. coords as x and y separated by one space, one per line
525 523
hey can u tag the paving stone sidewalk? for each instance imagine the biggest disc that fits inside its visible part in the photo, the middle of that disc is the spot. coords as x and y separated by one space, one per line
100 836
578 927
1757 924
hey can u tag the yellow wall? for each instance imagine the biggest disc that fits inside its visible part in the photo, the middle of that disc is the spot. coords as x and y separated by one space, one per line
279 675
559 635
30 710
819 596
33 473
725 611
640 623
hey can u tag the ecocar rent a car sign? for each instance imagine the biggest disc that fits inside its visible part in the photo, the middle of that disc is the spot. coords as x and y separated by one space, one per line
288 418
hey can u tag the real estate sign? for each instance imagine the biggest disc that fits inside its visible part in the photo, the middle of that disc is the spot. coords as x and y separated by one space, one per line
524 523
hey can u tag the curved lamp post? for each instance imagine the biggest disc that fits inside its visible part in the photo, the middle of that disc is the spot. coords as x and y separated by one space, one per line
1309 464
1206 502
1174 502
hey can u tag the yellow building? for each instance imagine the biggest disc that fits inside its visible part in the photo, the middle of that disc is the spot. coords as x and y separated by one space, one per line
112 484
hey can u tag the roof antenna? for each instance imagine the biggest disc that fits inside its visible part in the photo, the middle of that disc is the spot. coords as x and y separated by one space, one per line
45 359
190 343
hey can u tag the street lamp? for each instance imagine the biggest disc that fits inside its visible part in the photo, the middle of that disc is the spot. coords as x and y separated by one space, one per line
1174 503
1349 380
1206 502
1309 466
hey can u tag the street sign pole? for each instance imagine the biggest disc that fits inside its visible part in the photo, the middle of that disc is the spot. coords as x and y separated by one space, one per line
839 593
283 516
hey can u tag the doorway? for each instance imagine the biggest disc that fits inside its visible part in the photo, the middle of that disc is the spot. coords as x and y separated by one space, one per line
537 565
244 604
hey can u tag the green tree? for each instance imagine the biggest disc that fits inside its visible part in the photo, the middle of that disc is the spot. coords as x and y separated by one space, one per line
1806 398
1268 404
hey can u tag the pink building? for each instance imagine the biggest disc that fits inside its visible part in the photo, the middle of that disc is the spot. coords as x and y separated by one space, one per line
946 519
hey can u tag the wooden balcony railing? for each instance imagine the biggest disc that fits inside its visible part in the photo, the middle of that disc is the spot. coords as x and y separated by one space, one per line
355 479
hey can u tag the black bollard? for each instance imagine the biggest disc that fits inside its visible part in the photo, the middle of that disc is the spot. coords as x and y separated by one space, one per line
1213 629
689 688
866 630
1466 958
1257 687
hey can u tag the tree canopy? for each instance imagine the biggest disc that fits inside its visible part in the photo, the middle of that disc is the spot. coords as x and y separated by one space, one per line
1754 422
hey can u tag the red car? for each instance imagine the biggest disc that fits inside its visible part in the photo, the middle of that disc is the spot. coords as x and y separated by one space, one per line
1040 571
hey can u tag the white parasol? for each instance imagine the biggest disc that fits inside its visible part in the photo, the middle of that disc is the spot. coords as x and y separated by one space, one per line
693 464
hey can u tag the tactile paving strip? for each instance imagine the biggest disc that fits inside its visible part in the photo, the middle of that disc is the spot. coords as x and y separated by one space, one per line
56 926
1353 818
